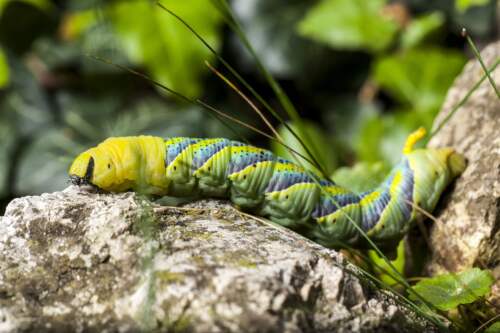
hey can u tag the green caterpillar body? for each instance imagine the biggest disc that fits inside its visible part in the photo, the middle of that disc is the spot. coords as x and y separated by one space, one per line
257 180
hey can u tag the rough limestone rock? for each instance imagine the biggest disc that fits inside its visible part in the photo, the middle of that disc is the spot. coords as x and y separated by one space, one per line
82 261
468 230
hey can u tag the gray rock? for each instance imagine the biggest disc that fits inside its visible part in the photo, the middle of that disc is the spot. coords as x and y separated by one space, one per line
90 262
468 230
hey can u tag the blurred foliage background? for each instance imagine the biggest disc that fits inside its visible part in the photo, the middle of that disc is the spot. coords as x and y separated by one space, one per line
362 75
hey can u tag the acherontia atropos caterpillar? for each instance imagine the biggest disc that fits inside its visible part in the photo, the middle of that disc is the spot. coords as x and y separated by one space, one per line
258 181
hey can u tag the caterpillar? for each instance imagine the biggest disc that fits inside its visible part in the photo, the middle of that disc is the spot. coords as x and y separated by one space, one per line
256 180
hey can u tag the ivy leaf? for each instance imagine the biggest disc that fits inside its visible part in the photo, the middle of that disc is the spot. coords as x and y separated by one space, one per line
41 4
316 141
419 77
4 70
383 270
383 137
447 291
421 28
75 24
170 52
361 177
495 328
350 24
463 5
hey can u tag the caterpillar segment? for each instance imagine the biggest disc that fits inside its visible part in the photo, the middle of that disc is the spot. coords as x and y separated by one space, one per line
257 180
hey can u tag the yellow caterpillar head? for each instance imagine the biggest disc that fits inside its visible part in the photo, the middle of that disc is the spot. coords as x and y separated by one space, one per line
122 163
94 167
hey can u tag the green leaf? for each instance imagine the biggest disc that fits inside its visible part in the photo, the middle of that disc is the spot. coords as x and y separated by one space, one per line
419 78
495 328
314 138
75 24
41 4
84 34
382 268
170 52
4 70
361 177
447 291
350 24
463 5
383 137
421 28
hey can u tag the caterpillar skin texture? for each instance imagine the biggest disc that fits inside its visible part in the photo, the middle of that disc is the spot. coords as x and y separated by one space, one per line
257 180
